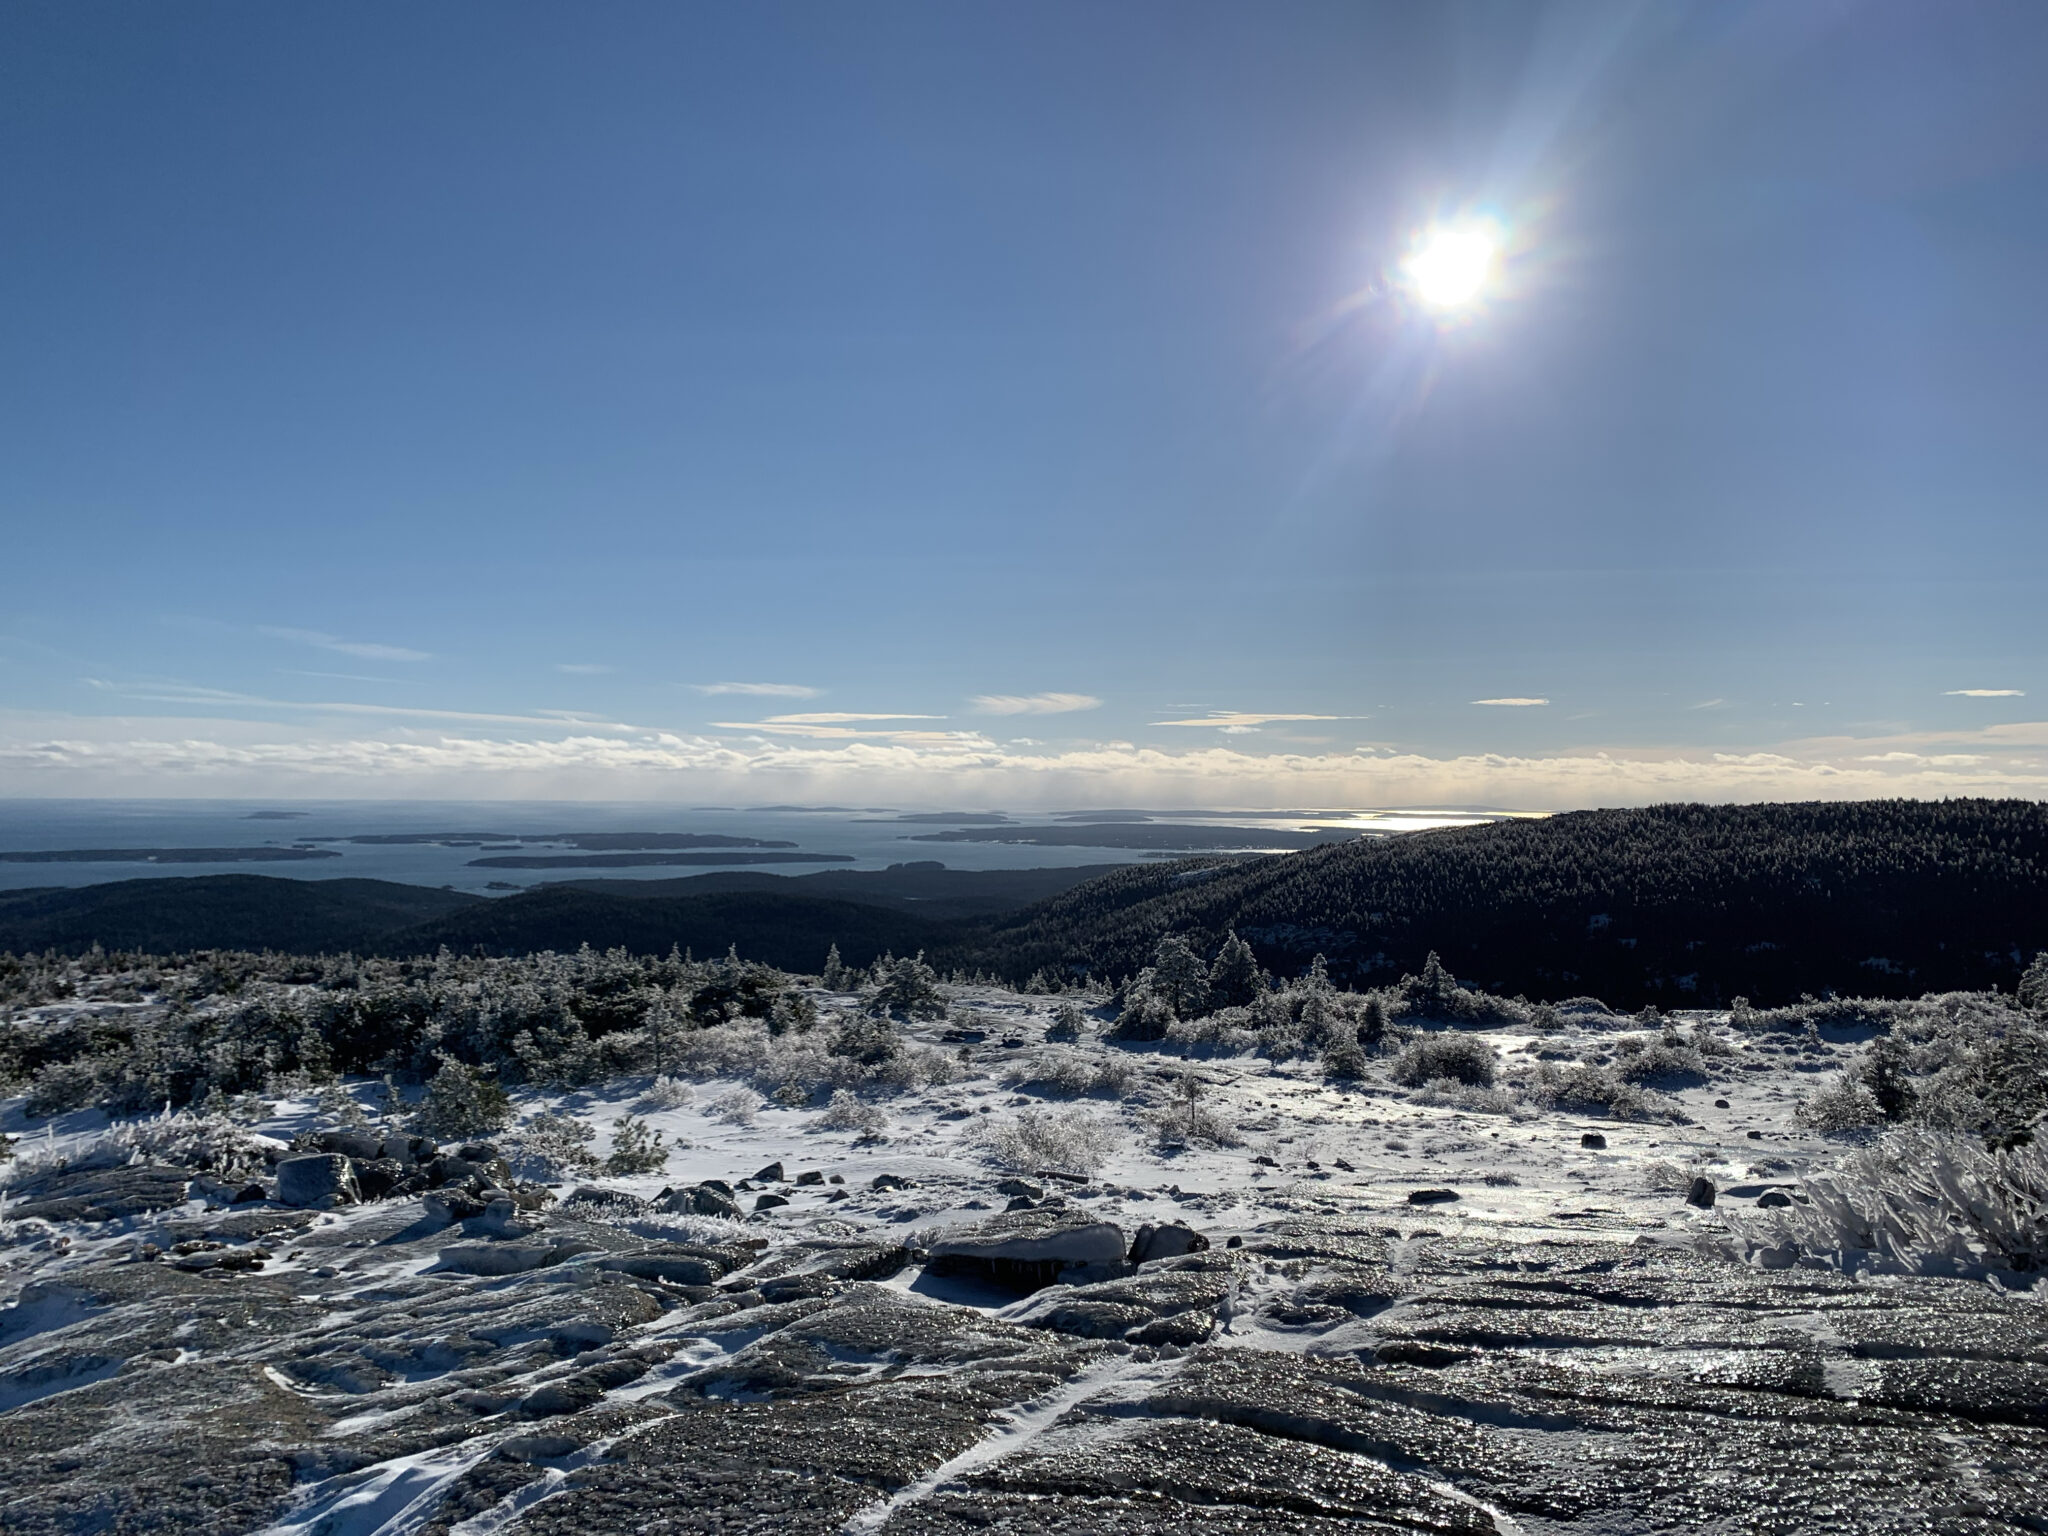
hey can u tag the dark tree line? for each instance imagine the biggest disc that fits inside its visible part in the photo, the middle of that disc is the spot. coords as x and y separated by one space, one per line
1678 905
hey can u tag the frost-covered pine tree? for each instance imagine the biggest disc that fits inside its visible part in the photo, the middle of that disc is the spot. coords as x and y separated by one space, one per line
1372 1024
461 1101
836 976
1234 979
1179 978
636 1148
2034 985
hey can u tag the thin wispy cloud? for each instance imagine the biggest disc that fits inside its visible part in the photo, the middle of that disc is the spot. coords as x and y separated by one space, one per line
946 739
221 698
1985 693
369 650
345 677
1235 721
583 668
761 690
840 717
1511 703
840 725
1709 704
1033 703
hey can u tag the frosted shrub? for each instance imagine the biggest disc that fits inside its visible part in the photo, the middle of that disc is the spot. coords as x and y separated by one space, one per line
1665 1177
1658 1059
666 1093
636 1149
1584 1090
1067 1023
1066 1140
1072 1074
337 1104
551 1146
725 1050
184 1140
1843 1105
1449 1093
1460 1058
1919 1202
850 1112
914 1066
735 1106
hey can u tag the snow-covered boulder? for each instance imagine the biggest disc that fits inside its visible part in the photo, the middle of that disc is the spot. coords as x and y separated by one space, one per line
1029 1247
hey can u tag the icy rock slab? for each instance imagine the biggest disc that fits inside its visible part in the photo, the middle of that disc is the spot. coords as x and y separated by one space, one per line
101 1194
1169 1240
1029 1247
317 1179
493 1259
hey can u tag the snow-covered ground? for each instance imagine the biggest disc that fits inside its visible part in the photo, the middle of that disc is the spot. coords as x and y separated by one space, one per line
1538 1346
1292 1142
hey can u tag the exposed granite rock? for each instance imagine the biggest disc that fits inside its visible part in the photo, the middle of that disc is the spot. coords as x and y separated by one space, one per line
1029 1247
1324 1377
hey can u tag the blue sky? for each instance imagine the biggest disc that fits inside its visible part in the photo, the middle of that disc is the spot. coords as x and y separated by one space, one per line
416 400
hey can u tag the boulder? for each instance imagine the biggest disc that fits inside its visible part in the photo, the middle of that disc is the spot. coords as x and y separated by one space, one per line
770 1202
811 1176
377 1178
316 1179
445 1205
708 1200
1170 1240
409 1150
1701 1193
1594 1140
1029 1248
1431 1196
772 1174
359 1144
493 1259
1773 1198
882 1181
673 1264
614 1200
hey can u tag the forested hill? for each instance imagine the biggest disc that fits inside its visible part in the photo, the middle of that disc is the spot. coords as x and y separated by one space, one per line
1675 904
1681 905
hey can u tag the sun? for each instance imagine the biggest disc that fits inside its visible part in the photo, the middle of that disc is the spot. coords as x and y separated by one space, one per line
1452 265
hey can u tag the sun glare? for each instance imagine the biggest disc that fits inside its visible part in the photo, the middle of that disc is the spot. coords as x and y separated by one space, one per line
1453 264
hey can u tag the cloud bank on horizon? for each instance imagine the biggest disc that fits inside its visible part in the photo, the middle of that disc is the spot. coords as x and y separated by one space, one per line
236 758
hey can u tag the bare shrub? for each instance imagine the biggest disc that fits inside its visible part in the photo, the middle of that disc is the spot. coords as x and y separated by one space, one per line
1187 1121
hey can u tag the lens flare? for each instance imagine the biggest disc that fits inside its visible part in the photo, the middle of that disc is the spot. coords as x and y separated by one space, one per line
1452 265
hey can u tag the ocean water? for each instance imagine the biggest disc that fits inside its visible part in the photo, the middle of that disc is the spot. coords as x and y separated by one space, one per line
871 838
